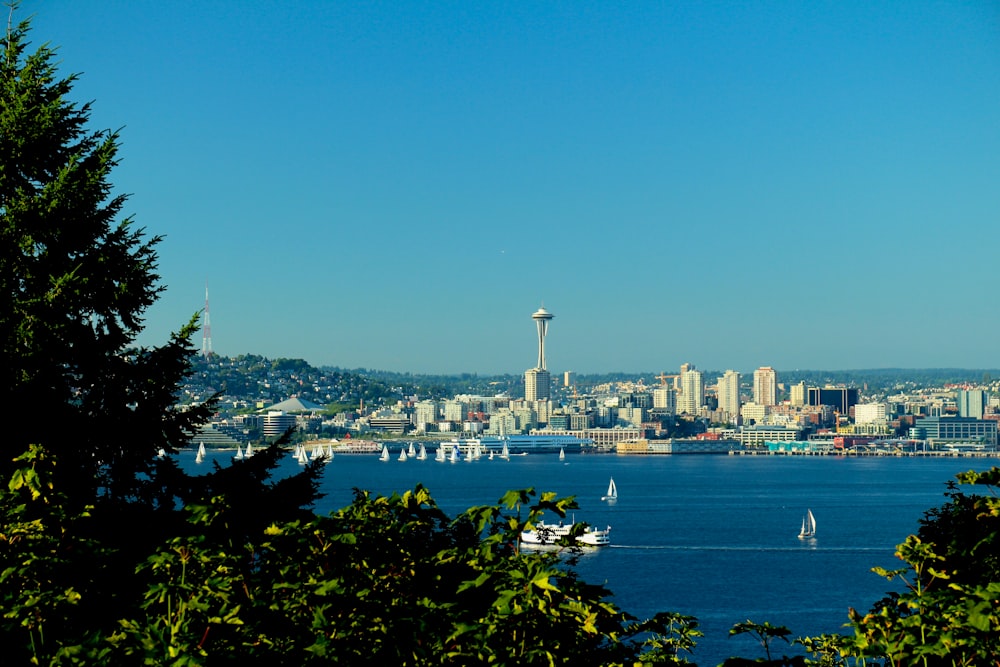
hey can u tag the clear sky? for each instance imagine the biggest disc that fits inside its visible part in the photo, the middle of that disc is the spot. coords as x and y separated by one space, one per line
399 185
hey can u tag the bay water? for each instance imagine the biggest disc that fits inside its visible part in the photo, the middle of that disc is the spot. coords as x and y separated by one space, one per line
712 536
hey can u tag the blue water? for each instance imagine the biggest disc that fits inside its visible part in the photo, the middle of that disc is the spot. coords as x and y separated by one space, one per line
715 537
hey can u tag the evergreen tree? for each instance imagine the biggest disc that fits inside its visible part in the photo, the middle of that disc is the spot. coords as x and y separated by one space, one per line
77 279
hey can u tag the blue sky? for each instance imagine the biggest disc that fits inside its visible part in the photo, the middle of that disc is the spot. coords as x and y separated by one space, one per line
400 185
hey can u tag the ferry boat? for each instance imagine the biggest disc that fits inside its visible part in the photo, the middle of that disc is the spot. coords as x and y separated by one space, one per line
549 533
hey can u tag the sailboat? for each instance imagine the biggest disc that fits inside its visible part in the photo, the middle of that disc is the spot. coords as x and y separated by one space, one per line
200 456
808 526
402 453
439 454
385 454
562 454
239 453
612 494
249 452
422 454
505 452
454 453
411 452
303 457
329 453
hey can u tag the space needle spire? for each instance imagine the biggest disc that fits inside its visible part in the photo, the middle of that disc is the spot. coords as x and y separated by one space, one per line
542 318
206 328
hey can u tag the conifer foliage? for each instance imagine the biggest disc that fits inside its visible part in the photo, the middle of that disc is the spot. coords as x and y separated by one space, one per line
77 279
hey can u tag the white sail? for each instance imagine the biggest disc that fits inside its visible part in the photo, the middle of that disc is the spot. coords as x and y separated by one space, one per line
411 452
454 453
201 449
239 453
249 452
612 494
385 453
505 452
422 454
439 454
808 525
317 451
402 454
562 454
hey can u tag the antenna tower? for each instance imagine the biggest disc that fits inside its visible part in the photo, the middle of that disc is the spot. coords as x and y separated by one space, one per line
206 329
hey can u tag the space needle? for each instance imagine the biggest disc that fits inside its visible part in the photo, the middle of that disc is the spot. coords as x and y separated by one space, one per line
537 381
542 317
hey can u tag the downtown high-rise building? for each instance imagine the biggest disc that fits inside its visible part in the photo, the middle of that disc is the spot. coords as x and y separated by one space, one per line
765 386
971 403
692 393
729 393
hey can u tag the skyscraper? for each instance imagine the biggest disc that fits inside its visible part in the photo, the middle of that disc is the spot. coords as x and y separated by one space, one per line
971 403
692 396
765 386
729 393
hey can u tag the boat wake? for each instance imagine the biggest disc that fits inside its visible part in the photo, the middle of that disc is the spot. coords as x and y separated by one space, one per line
754 548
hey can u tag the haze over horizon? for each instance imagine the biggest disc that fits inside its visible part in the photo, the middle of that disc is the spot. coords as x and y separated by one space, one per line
399 186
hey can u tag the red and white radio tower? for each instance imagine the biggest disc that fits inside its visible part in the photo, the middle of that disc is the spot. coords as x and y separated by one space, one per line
206 329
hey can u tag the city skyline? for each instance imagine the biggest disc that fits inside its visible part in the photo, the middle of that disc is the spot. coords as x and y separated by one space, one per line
393 187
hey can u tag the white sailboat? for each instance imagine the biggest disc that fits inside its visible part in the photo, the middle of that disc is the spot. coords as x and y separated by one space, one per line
239 453
505 452
411 452
303 457
612 494
422 454
808 526
562 454
439 454
329 453
200 456
317 451
402 453
454 453
385 454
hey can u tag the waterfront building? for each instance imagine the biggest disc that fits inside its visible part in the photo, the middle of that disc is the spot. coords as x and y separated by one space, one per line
754 437
941 432
729 393
971 403
275 423
765 386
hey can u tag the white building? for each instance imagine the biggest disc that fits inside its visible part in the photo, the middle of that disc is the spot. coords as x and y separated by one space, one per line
870 413
729 393
692 395
765 386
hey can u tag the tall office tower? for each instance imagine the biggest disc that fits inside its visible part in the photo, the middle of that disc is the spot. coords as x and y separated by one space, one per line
729 393
971 403
798 394
537 384
765 386
692 396
537 381
569 378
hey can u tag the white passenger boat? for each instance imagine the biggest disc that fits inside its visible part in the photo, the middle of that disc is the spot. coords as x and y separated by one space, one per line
548 533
